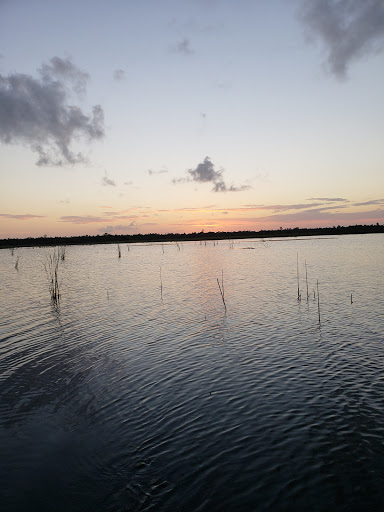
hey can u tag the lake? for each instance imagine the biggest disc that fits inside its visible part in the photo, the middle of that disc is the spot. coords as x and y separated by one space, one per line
140 391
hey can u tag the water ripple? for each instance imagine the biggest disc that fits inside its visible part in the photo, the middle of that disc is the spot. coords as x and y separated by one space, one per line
126 398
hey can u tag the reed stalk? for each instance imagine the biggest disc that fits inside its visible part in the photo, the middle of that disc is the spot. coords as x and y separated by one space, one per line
118 250
62 250
222 295
17 265
52 270
298 281
306 279
222 280
161 285
318 299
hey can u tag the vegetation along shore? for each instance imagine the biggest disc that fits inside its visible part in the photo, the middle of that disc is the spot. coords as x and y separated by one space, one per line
107 238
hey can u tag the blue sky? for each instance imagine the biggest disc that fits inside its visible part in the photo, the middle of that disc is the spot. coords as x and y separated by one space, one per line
178 116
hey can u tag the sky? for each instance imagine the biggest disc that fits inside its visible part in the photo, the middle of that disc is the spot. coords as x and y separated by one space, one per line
159 116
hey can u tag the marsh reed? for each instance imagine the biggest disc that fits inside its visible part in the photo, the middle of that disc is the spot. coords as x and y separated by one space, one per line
318 299
298 281
52 270
62 250
221 288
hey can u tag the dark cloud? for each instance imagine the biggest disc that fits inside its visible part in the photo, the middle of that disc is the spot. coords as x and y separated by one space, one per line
107 182
183 47
118 75
26 216
37 112
65 72
220 186
205 173
349 29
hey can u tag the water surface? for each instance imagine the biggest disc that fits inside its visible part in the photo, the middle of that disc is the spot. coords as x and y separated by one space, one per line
141 392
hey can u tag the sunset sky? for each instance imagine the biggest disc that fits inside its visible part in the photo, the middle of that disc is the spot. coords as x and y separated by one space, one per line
187 115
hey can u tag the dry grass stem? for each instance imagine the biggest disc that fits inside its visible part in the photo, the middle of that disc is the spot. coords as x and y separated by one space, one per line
52 270
318 300
222 295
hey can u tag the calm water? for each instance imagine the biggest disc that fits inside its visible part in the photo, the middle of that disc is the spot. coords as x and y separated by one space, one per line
135 397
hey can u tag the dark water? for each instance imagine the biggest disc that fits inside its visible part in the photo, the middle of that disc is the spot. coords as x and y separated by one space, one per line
135 397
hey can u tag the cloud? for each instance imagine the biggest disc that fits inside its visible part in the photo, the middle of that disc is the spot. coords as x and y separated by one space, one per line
319 214
196 209
120 227
379 202
85 219
63 70
329 199
183 47
205 173
162 171
107 182
220 186
276 208
223 85
349 29
37 112
26 216
106 217
282 207
119 75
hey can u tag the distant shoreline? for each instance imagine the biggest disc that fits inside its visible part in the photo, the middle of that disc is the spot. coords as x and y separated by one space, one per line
46 241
